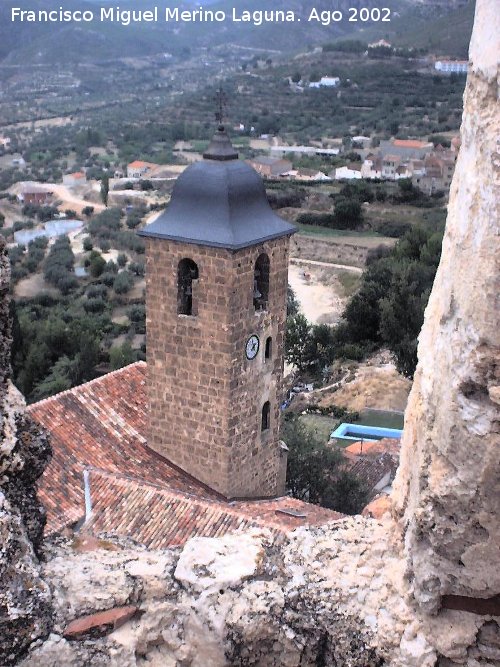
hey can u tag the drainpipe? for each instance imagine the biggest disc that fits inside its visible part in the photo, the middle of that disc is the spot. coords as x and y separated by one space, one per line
88 500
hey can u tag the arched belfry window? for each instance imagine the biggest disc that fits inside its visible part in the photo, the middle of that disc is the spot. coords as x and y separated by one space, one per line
261 282
266 417
268 353
187 273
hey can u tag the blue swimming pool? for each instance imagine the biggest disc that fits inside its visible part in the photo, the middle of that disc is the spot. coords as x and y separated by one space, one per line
367 433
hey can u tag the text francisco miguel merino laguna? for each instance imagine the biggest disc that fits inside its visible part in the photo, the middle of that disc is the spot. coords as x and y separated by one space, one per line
170 14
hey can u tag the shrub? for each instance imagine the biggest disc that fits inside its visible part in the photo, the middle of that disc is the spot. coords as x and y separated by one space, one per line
123 282
94 305
97 264
96 292
137 268
87 244
107 279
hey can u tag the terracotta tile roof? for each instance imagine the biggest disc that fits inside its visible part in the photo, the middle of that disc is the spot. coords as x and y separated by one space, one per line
101 426
410 143
160 517
372 470
386 445
136 164
101 423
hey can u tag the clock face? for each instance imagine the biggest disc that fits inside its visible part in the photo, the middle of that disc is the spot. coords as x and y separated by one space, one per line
252 347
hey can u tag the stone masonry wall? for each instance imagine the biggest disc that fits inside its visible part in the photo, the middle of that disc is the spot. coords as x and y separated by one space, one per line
205 397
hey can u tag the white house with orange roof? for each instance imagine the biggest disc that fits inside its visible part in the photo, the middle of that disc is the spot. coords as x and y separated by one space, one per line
76 178
139 168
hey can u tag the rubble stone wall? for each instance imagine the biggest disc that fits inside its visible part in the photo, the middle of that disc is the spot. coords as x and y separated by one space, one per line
25 606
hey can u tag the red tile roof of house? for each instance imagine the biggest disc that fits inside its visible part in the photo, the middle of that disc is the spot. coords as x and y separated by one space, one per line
137 164
386 445
370 470
101 426
410 143
77 174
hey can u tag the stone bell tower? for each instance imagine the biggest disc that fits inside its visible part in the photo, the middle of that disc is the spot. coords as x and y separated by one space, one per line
217 266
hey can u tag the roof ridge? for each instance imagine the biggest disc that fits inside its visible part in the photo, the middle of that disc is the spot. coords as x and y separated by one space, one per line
72 390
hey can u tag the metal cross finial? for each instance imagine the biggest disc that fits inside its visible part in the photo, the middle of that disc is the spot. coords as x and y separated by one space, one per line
221 100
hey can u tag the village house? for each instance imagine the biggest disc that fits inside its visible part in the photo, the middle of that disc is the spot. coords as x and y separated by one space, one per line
452 66
270 167
33 193
372 166
406 148
303 150
430 168
381 43
349 172
306 175
74 179
390 164
374 463
326 82
139 169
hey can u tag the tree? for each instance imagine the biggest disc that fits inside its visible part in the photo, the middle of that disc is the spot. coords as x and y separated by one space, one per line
123 282
87 244
105 189
402 313
348 214
292 304
317 473
122 260
297 339
121 355
97 264
88 211
296 77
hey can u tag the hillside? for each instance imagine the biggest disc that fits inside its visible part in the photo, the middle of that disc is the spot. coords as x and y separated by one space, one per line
445 32
412 24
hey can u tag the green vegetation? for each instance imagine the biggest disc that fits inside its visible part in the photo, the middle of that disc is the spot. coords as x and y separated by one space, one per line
317 473
59 266
387 310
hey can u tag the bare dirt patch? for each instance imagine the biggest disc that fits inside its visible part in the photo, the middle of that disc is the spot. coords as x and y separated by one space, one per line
35 284
376 384
319 291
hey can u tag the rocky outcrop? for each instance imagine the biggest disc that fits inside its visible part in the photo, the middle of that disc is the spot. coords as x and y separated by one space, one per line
447 492
24 452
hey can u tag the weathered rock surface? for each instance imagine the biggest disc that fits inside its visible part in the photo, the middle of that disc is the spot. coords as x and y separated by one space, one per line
24 452
447 492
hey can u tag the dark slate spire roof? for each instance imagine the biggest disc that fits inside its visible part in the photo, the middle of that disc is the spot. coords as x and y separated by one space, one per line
219 202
